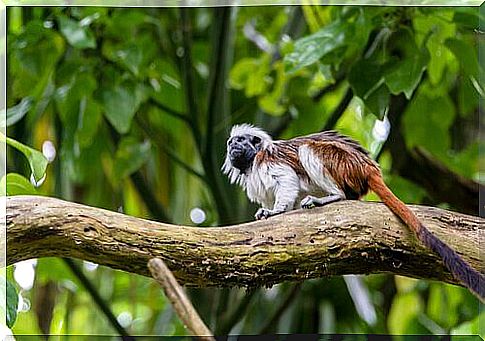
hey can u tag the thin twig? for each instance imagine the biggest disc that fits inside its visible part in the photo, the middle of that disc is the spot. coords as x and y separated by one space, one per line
188 76
180 302
182 116
281 309
100 302
217 82
237 314
157 210
156 138
216 99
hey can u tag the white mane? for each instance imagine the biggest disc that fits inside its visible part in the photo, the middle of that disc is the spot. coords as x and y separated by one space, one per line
233 173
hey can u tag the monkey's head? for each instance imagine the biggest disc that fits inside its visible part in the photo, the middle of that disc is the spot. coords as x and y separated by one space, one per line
243 144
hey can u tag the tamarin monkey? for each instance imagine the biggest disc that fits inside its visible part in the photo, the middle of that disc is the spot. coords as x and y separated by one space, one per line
319 169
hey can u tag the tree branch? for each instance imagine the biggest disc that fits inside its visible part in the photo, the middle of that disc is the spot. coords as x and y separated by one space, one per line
349 237
180 302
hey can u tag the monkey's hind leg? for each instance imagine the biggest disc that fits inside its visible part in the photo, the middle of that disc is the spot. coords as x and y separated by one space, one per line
310 201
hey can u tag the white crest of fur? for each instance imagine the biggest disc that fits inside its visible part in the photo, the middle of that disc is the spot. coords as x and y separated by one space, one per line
249 129
233 173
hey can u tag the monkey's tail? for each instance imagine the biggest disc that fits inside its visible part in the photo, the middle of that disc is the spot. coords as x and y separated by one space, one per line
461 270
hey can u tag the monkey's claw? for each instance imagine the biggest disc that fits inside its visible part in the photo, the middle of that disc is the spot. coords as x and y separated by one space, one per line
262 213
308 202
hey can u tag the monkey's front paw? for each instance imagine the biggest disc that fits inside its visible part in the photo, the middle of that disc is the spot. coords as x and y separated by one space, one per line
308 202
263 213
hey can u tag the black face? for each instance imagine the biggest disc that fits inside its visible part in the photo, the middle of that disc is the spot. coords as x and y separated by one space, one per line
242 150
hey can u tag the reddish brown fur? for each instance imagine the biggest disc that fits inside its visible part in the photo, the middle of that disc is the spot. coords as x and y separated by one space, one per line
283 152
343 158
377 185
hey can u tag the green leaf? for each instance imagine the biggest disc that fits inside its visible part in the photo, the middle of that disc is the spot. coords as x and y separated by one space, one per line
407 74
378 101
312 48
257 83
404 314
125 23
132 55
15 113
443 304
466 55
77 35
468 18
130 156
12 304
362 27
432 30
425 111
88 122
404 74
68 97
37 161
473 327
367 82
468 98
240 72
11 299
365 76
16 184
271 102
120 104
166 85
32 58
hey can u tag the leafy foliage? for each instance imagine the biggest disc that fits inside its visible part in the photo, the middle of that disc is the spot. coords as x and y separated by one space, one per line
11 299
37 161
138 103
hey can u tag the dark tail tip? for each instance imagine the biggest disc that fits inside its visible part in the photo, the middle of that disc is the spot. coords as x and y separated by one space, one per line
460 269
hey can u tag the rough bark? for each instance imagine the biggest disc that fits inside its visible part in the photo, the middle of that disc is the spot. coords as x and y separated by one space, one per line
343 238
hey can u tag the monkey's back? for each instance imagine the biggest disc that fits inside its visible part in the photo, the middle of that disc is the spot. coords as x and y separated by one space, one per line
344 161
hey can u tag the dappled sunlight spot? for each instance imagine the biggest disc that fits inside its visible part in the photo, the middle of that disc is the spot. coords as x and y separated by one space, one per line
125 319
381 129
89 266
49 150
24 273
197 215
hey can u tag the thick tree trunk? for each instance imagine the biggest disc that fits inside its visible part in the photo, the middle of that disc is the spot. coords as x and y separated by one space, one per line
349 237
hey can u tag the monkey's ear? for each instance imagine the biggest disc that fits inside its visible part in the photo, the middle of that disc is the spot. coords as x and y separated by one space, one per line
256 140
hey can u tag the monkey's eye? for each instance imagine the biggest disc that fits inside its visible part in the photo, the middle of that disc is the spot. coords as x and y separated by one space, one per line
256 140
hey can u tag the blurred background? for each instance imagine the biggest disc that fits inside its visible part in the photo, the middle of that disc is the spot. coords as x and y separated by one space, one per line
131 109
